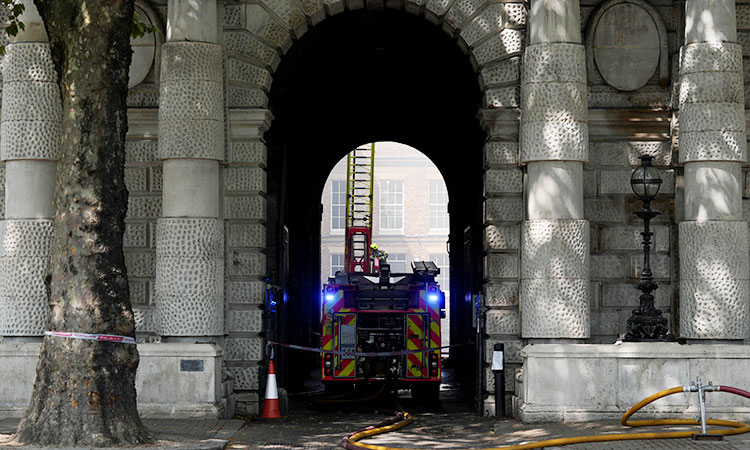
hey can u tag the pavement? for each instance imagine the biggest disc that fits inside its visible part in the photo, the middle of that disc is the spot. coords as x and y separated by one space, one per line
316 423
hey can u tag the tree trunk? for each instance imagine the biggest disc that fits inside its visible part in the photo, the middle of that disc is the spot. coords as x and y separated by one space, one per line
84 393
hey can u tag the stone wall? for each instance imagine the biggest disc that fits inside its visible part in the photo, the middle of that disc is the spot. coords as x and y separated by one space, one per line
617 138
743 37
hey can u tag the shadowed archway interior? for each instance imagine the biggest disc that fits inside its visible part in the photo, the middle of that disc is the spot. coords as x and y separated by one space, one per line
364 76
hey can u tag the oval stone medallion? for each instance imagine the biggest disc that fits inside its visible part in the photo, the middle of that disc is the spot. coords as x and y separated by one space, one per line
144 50
626 46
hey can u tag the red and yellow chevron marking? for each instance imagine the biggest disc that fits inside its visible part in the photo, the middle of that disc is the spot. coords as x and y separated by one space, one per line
347 369
347 364
414 341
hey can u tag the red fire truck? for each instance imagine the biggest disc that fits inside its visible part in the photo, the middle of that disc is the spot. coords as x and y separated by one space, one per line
379 325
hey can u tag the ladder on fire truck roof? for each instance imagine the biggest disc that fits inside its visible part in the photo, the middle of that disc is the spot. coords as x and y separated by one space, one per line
359 183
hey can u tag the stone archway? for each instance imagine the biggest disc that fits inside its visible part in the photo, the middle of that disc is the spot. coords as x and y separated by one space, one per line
258 37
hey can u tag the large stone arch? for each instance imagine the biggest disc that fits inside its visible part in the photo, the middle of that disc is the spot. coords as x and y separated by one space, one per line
256 37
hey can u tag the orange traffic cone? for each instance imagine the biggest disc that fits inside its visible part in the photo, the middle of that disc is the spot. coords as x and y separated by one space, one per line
271 403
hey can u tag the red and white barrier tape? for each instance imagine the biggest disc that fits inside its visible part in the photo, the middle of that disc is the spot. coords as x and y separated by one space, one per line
369 354
92 337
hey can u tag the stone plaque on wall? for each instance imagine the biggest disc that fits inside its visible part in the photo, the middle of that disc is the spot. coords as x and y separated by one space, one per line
626 46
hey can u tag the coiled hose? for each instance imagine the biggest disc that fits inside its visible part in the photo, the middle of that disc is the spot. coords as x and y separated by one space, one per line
401 420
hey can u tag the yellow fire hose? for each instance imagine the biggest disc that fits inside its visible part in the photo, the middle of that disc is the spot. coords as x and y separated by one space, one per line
351 441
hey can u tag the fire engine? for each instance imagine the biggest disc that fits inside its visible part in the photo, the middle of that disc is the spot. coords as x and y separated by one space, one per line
378 325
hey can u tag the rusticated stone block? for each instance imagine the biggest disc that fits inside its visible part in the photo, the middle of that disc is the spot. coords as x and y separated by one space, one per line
245 378
714 310
246 263
555 308
712 145
563 140
501 266
140 151
248 152
290 14
246 97
501 294
246 321
502 181
629 238
246 207
502 97
605 210
506 71
711 87
191 61
246 292
136 235
144 207
502 321
245 179
627 296
608 266
246 235
245 43
140 264
138 292
145 319
554 102
695 117
503 209
508 42
711 57
554 63
243 349
489 21
499 152
714 251
136 179
555 249
461 10
501 237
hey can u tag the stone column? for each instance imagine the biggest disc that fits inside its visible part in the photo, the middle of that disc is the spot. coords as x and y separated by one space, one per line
30 124
714 267
189 290
554 145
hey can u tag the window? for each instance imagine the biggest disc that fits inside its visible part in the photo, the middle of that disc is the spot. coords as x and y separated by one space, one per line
441 260
438 206
392 206
397 262
337 263
338 205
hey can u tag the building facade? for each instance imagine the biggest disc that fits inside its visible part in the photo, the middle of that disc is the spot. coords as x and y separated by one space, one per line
534 112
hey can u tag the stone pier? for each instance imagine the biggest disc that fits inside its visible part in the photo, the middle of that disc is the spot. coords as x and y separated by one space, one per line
554 145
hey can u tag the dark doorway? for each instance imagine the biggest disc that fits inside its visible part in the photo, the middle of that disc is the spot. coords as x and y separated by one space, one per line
365 76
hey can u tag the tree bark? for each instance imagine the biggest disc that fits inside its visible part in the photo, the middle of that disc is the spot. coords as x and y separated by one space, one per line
84 393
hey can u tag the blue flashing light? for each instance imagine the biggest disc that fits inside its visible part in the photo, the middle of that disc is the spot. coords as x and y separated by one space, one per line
330 297
432 297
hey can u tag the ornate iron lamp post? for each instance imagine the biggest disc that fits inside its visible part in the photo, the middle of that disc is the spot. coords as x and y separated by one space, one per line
646 323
